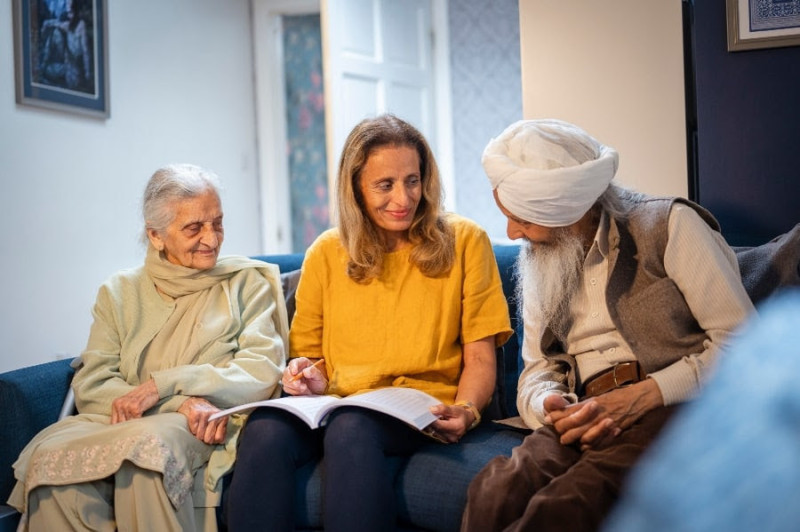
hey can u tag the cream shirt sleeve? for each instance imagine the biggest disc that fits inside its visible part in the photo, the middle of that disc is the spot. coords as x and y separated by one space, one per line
704 268
540 377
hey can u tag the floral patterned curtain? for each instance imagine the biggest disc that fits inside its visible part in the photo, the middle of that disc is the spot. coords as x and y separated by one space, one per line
306 128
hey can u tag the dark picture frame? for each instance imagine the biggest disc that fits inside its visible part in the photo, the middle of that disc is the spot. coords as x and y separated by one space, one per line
61 55
755 24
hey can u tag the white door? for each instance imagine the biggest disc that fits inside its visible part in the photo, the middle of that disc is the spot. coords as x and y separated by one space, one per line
379 56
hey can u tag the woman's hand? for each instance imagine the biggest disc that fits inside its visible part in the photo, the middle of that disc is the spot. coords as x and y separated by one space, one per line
135 403
304 377
476 385
453 422
197 411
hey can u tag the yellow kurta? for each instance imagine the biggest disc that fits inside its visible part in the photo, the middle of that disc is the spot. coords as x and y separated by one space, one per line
403 329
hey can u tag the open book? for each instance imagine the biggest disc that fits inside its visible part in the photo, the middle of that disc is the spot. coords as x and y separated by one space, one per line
406 404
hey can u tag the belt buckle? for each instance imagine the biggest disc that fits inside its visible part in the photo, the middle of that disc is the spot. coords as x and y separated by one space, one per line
616 384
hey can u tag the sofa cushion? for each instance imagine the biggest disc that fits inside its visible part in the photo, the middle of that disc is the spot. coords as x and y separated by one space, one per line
504 404
32 398
289 281
431 485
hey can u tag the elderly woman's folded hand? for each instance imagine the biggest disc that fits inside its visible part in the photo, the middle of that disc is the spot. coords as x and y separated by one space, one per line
197 411
135 403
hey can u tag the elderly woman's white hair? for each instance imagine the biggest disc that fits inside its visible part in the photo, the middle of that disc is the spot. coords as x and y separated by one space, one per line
548 172
168 184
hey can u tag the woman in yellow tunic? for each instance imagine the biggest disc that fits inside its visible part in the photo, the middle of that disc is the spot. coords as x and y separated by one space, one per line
172 343
400 294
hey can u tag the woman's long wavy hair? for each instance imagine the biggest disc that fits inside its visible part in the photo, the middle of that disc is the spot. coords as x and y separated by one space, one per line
430 235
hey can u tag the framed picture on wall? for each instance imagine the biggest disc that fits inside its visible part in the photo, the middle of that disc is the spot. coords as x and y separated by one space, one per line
61 55
754 24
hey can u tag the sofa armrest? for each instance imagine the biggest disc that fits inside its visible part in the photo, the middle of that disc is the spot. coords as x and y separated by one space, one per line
770 267
32 398
9 519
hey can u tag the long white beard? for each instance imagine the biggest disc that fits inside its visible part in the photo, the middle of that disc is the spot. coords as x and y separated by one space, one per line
548 275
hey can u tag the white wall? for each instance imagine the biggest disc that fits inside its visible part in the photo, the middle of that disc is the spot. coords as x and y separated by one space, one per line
180 91
614 68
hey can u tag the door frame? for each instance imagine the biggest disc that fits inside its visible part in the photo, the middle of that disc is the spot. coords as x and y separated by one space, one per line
442 100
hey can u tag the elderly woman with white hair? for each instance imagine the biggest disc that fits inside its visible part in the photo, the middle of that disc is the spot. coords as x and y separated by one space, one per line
173 342
627 300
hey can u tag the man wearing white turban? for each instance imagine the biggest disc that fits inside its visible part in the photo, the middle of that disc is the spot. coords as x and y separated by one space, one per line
626 299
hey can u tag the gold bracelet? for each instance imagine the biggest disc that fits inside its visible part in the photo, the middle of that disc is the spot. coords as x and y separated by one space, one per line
469 405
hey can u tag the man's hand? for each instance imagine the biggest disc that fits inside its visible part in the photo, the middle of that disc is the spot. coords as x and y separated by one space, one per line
595 421
582 422
197 411
135 403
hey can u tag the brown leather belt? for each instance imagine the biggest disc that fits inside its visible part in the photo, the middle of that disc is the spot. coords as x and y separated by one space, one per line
622 374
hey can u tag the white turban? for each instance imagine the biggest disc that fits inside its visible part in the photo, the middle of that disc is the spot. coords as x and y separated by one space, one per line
548 172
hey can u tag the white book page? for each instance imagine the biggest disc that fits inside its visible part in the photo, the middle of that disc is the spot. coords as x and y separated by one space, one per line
309 408
406 404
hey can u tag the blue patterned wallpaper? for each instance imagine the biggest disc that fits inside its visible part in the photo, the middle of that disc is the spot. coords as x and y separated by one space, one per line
306 128
487 97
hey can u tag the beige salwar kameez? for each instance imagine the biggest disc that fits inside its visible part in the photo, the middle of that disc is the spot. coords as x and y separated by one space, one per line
219 334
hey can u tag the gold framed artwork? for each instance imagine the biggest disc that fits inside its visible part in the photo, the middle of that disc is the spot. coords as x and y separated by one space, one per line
755 24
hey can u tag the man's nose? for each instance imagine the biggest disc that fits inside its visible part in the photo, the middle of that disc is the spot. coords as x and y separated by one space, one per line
513 230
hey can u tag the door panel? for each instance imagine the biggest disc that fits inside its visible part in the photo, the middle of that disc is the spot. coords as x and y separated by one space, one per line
377 59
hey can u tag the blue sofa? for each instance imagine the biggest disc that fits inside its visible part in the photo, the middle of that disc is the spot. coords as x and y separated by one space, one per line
431 485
